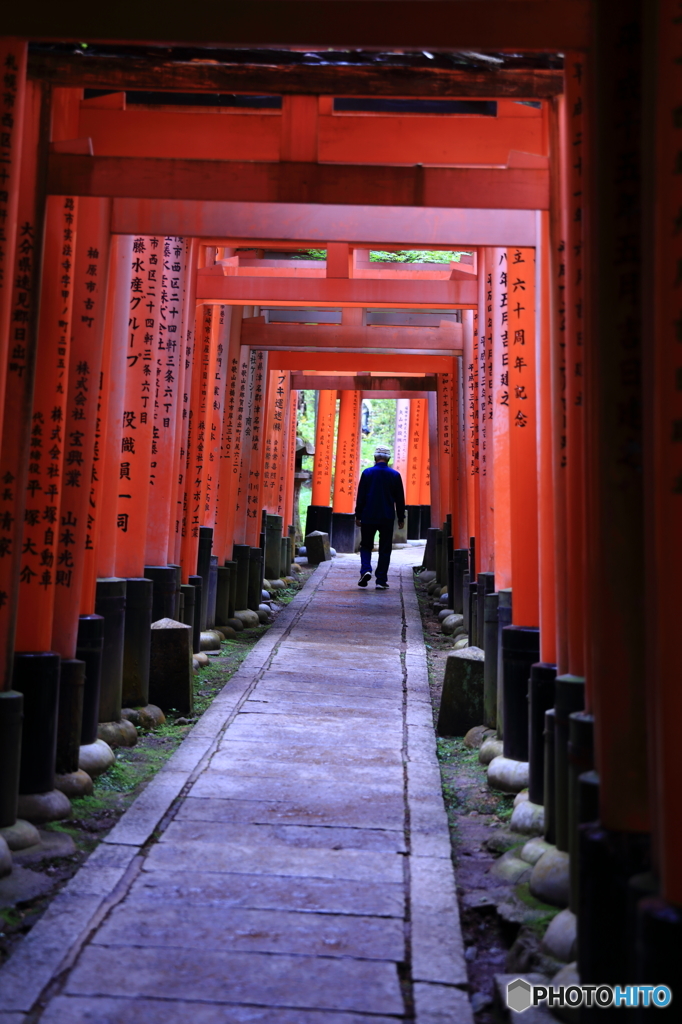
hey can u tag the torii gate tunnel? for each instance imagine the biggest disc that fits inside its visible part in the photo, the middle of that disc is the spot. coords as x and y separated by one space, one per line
200 220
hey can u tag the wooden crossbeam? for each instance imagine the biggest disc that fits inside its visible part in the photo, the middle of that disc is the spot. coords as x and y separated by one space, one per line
357 362
512 188
365 226
259 334
465 24
301 381
158 74
394 394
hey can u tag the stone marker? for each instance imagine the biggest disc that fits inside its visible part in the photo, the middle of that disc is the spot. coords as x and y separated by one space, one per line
461 703
170 673
317 547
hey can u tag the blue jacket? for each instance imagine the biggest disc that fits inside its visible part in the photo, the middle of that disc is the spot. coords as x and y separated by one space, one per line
380 494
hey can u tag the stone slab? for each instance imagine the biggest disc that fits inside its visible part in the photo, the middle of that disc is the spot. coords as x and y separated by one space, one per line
342 811
289 770
249 930
284 981
271 892
309 837
88 1010
139 822
318 753
357 865
437 946
41 954
441 1004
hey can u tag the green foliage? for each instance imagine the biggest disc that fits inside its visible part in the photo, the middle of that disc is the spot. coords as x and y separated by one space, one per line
402 256
415 256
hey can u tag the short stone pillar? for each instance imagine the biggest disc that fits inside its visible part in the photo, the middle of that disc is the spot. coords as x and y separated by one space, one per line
461 703
170 673
400 536
317 547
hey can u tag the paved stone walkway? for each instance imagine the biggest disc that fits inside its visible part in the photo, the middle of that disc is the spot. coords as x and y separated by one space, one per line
291 864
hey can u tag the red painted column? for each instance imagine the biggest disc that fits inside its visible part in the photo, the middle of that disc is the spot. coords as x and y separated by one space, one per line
13 62
253 437
425 467
185 390
290 465
470 392
575 169
498 312
523 436
229 467
274 439
434 449
485 552
546 446
136 426
324 448
402 437
202 374
558 235
247 369
166 381
663 465
214 415
415 456
347 463
48 429
20 365
89 297
109 455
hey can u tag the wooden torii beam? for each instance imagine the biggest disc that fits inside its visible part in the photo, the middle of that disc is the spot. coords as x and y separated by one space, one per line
358 362
306 225
380 385
467 24
158 73
258 334
514 188
334 291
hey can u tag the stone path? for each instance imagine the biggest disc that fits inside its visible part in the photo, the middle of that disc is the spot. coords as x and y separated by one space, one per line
291 863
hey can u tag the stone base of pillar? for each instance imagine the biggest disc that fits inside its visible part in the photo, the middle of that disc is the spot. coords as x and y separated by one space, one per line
413 517
138 622
424 521
117 734
658 943
520 650
37 677
608 860
110 603
318 517
343 532
11 717
89 650
170 674
461 704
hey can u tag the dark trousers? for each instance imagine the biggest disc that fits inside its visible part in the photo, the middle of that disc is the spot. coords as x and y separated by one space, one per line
368 533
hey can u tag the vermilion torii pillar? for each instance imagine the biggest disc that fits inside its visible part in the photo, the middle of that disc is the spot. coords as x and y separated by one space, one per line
575 168
346 472
415 457
470 418
402 436
663 486
497 311
19 370
48 428
324 448
80 420
523 435
13 63
229 463
185 391
167 375
485 545
521 641
136 427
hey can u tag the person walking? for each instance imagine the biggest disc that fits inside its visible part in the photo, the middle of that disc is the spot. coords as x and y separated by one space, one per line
380 499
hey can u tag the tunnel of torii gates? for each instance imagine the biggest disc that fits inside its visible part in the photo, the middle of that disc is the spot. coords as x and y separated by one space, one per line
155 333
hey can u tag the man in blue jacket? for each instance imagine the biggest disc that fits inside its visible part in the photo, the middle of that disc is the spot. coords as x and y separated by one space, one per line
380 499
